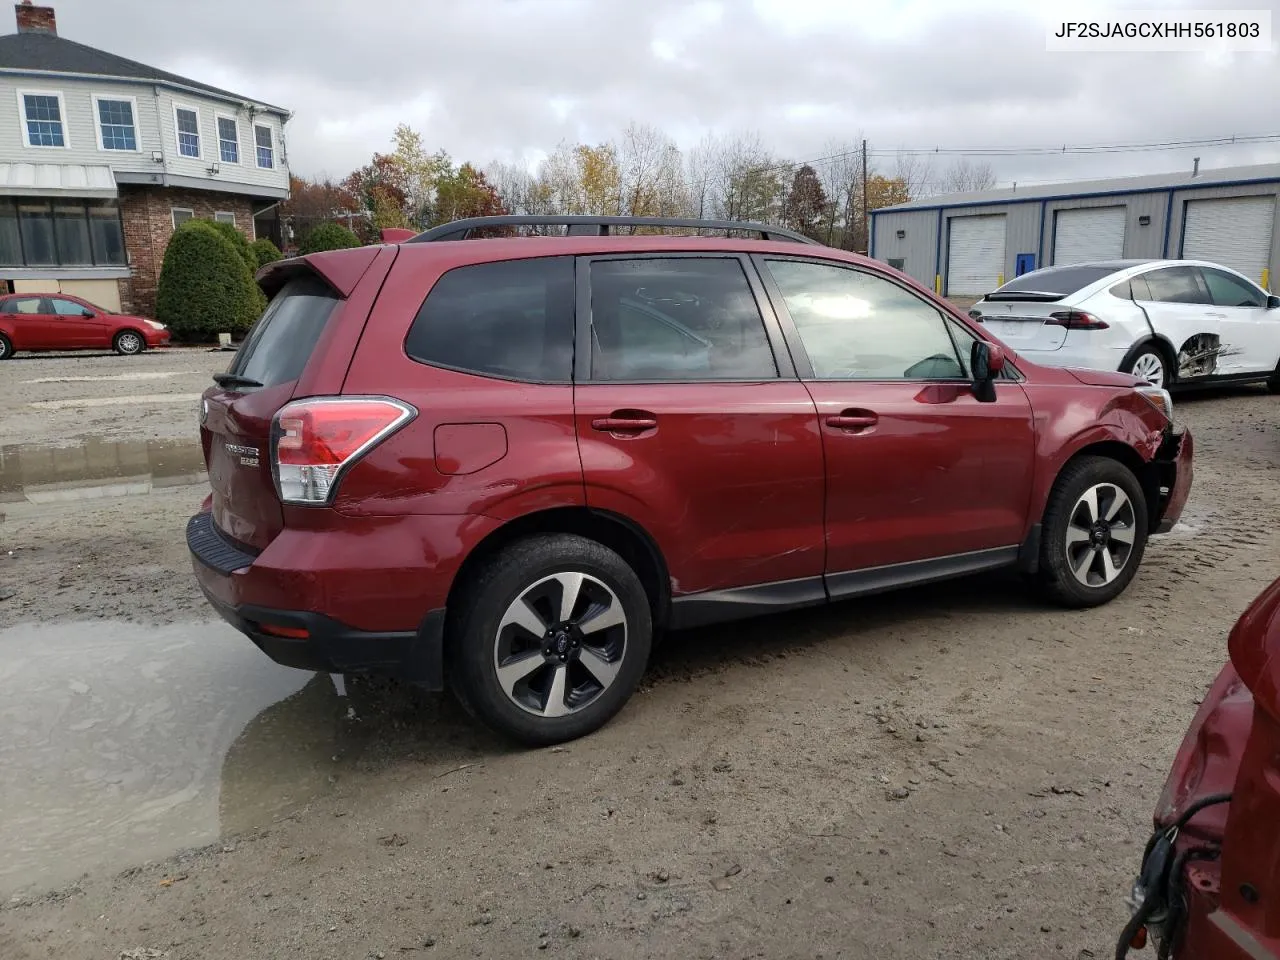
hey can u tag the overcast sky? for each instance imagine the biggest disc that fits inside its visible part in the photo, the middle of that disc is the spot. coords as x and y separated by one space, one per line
508 79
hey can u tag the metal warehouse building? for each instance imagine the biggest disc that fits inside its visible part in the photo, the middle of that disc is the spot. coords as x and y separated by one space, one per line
965 245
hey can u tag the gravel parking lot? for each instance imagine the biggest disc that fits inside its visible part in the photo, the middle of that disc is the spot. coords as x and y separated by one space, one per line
954 771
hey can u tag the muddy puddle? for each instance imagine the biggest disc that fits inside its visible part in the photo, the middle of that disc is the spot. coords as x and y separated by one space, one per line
86 467
122 743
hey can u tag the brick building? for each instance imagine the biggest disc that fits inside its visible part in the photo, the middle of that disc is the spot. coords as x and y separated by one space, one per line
101 157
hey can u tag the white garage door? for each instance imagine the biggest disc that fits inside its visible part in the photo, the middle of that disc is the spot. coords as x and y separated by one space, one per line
1095 233
975 254
1235 232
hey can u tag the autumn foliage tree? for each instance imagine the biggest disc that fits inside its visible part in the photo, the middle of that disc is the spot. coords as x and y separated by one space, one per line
641 172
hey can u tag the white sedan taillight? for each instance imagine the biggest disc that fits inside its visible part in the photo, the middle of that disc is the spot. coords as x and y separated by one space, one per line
314 441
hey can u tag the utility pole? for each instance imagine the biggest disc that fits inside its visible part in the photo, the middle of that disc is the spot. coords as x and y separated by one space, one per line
866 218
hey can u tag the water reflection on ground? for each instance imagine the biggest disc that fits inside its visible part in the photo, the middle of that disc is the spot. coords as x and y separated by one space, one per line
121 743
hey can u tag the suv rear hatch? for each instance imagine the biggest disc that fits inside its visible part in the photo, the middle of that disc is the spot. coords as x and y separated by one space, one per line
237 413
1029 312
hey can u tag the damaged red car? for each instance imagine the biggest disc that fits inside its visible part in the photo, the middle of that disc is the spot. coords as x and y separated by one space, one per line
1209 888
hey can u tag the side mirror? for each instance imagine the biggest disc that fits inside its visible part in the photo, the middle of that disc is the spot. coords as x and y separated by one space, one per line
1273 302
986 360
88 313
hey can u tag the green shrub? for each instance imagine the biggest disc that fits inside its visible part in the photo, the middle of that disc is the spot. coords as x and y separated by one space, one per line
264 251
328 236
205 285
238 241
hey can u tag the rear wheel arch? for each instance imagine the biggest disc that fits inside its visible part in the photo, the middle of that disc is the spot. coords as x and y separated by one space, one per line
620 534
1167 351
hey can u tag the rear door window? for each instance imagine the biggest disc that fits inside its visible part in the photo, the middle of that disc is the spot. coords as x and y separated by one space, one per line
1176 285
280 343
511 319
24 305
676 319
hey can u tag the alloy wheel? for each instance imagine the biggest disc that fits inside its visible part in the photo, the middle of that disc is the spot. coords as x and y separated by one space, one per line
1100 534
1150 367
560 644
129 342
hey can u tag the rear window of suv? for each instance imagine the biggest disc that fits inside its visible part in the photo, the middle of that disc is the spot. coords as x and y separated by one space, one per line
511 319
280 343
1058 281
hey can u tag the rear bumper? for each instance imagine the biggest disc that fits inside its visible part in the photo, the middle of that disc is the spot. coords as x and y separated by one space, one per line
1174 469
363 613
1093 356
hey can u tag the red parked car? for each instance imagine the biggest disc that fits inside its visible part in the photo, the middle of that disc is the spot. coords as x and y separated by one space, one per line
504 465
58 321
1209 888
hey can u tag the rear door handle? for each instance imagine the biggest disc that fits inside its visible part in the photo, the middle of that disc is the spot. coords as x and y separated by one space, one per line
624 424
853 420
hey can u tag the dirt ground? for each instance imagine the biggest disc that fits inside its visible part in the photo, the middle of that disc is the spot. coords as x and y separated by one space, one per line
949 772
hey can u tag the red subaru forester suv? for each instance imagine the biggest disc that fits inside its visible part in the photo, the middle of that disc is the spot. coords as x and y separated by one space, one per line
504 465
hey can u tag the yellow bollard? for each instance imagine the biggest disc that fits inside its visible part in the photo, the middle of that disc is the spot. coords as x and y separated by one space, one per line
999 279
1266 279
937 284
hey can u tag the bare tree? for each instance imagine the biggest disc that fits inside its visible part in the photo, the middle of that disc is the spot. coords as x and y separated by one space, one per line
514 184
967 176
915 172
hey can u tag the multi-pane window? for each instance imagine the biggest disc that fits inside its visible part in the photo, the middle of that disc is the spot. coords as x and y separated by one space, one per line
187 121
266 151
71 233
116 124
42 115
228 140
181 215
225 216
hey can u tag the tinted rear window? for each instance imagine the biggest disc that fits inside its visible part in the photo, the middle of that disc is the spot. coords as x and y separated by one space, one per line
280 343
1061 281
511 319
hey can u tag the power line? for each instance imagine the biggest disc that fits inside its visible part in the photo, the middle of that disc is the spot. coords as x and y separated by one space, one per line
787 166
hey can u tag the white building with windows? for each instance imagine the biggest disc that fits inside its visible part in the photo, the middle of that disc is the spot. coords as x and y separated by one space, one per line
101 157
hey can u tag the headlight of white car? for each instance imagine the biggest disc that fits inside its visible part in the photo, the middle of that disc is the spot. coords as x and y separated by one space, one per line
155 325
1158 398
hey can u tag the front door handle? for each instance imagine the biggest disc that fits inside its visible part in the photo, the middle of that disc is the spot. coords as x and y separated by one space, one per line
853 420
625 423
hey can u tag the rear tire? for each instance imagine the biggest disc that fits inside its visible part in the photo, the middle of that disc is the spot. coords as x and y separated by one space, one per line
1094 533
1273 382
127 343
550 639
6 348
1150 363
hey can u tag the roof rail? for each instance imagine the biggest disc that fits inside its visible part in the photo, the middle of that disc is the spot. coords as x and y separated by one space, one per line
593 226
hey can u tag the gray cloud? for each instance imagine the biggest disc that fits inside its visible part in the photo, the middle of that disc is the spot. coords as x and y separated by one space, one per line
508 79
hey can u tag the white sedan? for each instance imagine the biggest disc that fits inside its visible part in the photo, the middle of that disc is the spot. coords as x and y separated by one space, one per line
1171 322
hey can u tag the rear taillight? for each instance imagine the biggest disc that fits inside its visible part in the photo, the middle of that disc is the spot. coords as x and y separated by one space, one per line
1076 320
314 441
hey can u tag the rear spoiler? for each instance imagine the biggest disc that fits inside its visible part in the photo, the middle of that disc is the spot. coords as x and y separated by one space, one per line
341 269
397 235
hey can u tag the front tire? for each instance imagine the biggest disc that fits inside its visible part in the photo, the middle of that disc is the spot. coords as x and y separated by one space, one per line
6 348
1149 363
127 343
551 638
1094 533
